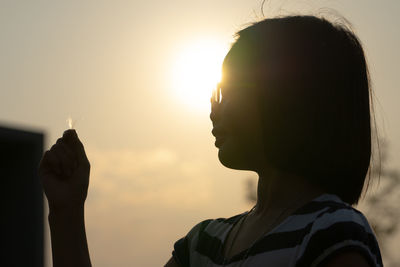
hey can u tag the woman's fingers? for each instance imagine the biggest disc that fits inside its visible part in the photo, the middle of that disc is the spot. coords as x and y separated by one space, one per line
50 163
64 171
46 163
66 161
75 145
69 153
62 158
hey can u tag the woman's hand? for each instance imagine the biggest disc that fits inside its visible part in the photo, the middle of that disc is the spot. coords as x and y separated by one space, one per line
64 172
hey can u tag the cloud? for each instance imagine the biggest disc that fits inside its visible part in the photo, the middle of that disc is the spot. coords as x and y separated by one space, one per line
153 177
141 201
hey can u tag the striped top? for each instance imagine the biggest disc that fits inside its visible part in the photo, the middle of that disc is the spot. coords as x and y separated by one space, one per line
308 237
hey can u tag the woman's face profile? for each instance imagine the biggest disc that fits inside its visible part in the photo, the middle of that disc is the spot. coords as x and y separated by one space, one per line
237 122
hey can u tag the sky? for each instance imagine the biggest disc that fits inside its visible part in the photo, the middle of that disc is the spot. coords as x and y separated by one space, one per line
124 72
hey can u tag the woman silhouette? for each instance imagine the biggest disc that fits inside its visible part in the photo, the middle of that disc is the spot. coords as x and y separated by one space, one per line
293 106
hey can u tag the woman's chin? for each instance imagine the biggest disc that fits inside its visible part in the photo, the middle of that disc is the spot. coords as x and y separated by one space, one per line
232 159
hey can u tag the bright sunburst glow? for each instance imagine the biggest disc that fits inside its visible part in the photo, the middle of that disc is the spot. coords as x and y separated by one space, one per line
196 72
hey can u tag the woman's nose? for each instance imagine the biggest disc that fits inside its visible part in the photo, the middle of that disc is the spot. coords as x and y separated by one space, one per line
214 111
218 105
214 106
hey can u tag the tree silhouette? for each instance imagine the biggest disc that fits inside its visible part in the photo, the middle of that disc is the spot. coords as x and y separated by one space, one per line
381 204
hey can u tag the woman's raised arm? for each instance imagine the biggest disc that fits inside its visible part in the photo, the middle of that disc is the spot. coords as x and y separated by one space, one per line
64 172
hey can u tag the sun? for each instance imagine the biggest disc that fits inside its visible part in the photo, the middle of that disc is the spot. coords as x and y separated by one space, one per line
196 71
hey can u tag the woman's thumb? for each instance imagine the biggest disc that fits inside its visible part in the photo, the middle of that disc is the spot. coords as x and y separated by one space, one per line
71 139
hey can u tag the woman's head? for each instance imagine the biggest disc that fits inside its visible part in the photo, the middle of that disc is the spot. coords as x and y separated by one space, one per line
305 84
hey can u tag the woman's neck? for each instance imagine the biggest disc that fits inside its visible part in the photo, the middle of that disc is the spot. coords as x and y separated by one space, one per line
277 191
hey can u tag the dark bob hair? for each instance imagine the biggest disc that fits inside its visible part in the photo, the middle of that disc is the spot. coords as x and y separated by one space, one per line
312 81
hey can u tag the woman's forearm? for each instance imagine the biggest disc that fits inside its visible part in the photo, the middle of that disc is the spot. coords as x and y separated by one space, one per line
68 238
64 172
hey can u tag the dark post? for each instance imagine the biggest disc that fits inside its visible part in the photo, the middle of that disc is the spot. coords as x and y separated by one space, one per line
21 198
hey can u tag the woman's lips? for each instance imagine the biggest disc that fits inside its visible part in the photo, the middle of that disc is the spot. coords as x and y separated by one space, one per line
219 141
218 132
220 136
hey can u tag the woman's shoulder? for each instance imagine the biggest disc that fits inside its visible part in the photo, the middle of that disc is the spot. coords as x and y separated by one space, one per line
333 212
337 227
205 235
217 228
